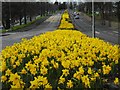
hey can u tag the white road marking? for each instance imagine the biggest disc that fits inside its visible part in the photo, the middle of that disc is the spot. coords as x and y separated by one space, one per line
115 31
27 35
10 33
97 32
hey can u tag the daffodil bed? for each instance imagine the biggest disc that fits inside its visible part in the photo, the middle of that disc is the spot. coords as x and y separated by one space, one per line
60 59
65 23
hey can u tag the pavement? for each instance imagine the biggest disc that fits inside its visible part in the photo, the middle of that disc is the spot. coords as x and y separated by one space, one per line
49 24
84 24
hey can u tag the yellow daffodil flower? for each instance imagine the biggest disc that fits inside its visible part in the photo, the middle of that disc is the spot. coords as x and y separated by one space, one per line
116 81
65 72
69 84
3 78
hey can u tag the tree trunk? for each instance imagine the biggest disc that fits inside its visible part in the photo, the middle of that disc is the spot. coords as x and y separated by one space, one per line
47 8
7 16
30 18
3 23
44 8
25 20
7 23
118 11
20 20
103 14
41 11
110 12
7 20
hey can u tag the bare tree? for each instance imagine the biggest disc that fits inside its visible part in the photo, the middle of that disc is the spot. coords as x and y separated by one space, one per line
14 11
6 15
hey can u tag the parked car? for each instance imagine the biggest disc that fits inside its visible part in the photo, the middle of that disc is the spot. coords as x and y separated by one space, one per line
76 17
78 13
74 14
1 27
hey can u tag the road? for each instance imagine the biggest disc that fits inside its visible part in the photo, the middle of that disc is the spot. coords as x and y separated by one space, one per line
105 33
48 25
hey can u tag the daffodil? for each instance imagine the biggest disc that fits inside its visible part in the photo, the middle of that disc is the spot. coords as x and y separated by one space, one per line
86 81
65 72
89 71
4 66
12 60
66 64
69 84
81 70
34 84
28 65
8 72
45 81
3 78
61 80
44 71
17 63
96 74
93 79
106 69
23 71
77 75
116 81
48 87
14 78
14 66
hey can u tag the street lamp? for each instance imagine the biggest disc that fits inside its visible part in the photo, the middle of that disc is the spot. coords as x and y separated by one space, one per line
93 20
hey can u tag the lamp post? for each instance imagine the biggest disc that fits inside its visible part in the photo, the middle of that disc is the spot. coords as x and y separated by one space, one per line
93 20
118 13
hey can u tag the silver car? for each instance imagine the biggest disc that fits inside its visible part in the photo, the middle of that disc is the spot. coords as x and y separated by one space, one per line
76 17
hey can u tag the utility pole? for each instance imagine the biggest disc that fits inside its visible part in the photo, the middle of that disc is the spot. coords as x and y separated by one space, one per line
93 20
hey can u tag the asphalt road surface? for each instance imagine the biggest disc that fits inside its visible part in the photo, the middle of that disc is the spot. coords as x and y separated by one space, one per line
105 33
48 25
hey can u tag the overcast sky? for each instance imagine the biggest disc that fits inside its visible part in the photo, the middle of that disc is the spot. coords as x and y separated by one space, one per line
63 0
85 0
60 0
